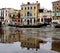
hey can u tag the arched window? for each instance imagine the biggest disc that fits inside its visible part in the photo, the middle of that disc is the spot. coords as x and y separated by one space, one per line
28 13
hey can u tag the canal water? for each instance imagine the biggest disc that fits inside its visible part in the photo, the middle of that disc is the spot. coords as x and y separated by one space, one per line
29 40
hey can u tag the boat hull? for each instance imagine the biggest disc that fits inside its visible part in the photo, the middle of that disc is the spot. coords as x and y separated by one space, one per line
29 26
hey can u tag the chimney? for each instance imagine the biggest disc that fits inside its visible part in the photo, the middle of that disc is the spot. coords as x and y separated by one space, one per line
36 1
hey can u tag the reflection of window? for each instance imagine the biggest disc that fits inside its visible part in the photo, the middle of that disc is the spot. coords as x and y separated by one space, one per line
27 43
30 43
34 7
22 42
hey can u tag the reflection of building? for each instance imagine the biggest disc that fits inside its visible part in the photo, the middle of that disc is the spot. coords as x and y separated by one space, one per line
29 42
56 44
1 34
14 36
29 13
10 36
56 10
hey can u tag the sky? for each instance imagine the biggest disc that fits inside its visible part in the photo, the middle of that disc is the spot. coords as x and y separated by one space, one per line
16 3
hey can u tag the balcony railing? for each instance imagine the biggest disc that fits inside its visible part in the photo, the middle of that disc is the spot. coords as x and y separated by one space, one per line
57 13
29 17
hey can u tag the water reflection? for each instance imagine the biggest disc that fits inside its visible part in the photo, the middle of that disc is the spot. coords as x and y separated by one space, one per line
56 44
46 38
30 43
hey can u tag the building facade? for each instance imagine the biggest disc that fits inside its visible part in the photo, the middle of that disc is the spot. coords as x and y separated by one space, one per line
29 13
17 18
1 16
56 10
5 14
8 15
44 15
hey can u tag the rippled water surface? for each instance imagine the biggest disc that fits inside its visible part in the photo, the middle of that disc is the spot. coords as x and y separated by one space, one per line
29 40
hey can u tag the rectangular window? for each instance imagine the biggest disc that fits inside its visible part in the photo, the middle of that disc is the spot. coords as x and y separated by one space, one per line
22 42
57 17
34 20
31 7
22 8
3 15
53 4
18 20
53 18
6 10
30 43
25 14
6 14
21 20
57 3
28 8
57 8
25 8
34 14
25 43
34 7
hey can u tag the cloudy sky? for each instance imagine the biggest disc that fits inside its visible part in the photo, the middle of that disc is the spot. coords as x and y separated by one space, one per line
16 3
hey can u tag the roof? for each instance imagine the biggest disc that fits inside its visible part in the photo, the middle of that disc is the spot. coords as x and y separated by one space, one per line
28 3
41 10
49 11
56 1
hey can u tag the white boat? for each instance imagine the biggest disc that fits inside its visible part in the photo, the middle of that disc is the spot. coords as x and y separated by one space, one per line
56 23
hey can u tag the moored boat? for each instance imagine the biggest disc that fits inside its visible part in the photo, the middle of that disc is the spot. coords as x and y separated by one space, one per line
28 26
56 23
57 26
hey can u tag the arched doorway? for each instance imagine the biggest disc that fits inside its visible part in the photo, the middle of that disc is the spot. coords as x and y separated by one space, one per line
27 22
